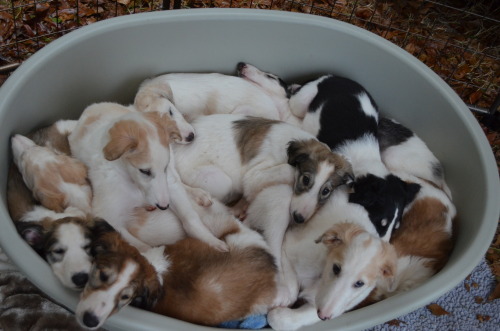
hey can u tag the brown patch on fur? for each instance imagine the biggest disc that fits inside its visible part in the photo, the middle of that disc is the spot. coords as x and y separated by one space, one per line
166 127
341 233
19 197
147 98
127 136
422 233
209 287
249 135
140 217
51 137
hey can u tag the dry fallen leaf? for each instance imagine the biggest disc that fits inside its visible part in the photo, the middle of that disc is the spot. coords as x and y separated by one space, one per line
495 294
437 310
395 322
483 318
467 287
478 300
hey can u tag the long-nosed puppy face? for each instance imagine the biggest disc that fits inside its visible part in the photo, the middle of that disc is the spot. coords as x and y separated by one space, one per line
141 143
65 245
355 261
318 172
158 97
269 82
119 276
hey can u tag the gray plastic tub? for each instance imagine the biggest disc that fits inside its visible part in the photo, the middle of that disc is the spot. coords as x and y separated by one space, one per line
106 61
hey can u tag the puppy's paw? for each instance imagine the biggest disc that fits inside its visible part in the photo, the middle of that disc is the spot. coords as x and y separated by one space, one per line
239 210
281 318
200 196
219 245
284 296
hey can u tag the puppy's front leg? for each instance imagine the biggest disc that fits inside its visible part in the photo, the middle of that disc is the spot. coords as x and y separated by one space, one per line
291 319
182 207
260 177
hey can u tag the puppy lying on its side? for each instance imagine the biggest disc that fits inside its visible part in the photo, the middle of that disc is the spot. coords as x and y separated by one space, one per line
188 280
60 234
187 96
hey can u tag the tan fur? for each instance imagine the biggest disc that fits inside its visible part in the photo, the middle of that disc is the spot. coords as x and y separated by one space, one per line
127 137
249 135
202 285
166 128
19 197
209 287
50 136
422 233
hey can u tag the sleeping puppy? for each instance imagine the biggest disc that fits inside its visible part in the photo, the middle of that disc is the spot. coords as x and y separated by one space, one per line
187 96
343 115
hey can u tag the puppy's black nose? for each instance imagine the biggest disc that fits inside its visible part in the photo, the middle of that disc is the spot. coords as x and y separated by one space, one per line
298 218
90 320
190 137
241 66
162 207
80 279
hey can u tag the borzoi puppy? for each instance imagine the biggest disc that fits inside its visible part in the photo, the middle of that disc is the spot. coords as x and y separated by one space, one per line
333 261
58 234
188 280
343 115
131 165
239 156
194 95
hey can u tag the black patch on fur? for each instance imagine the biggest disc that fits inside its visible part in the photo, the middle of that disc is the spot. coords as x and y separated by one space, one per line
381 197
437 170
33 234
391 133
341 118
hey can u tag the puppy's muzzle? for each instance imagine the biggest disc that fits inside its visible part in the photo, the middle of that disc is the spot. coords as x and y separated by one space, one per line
298 218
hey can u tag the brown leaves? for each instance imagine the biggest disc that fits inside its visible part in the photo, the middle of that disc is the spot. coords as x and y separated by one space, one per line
437 310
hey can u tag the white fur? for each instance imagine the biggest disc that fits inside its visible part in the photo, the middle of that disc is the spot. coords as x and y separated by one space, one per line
120 187
195 95
213 163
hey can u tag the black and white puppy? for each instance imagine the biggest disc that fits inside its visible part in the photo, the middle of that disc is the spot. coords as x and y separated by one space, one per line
403 151
342 114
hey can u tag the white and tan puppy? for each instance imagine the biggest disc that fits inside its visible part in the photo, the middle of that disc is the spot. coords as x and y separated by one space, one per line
131 165
187 96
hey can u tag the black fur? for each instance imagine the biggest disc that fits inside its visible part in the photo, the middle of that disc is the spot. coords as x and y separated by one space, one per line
391 133
342 118
381 196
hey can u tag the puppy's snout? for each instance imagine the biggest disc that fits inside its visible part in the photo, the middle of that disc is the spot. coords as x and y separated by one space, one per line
190 137
240 66
298 218
322 316
162 207
90 320
80 279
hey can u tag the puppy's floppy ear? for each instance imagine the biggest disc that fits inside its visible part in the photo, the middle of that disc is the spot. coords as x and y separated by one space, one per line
149 93
32 233
295 153
101 226
167 128
330 238
388 268
98 229
123 137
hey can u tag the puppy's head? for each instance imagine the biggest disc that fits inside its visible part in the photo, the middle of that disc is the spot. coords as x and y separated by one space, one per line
141 143
355 261
65 245
318 172
158 97
270 83
119 276
384 199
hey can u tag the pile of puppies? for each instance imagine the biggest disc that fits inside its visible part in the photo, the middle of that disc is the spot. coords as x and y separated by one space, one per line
213 198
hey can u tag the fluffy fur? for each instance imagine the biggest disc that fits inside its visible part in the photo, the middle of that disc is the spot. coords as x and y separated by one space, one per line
193 95
342 114
332 262
131 166
403 151
49 200
188 280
